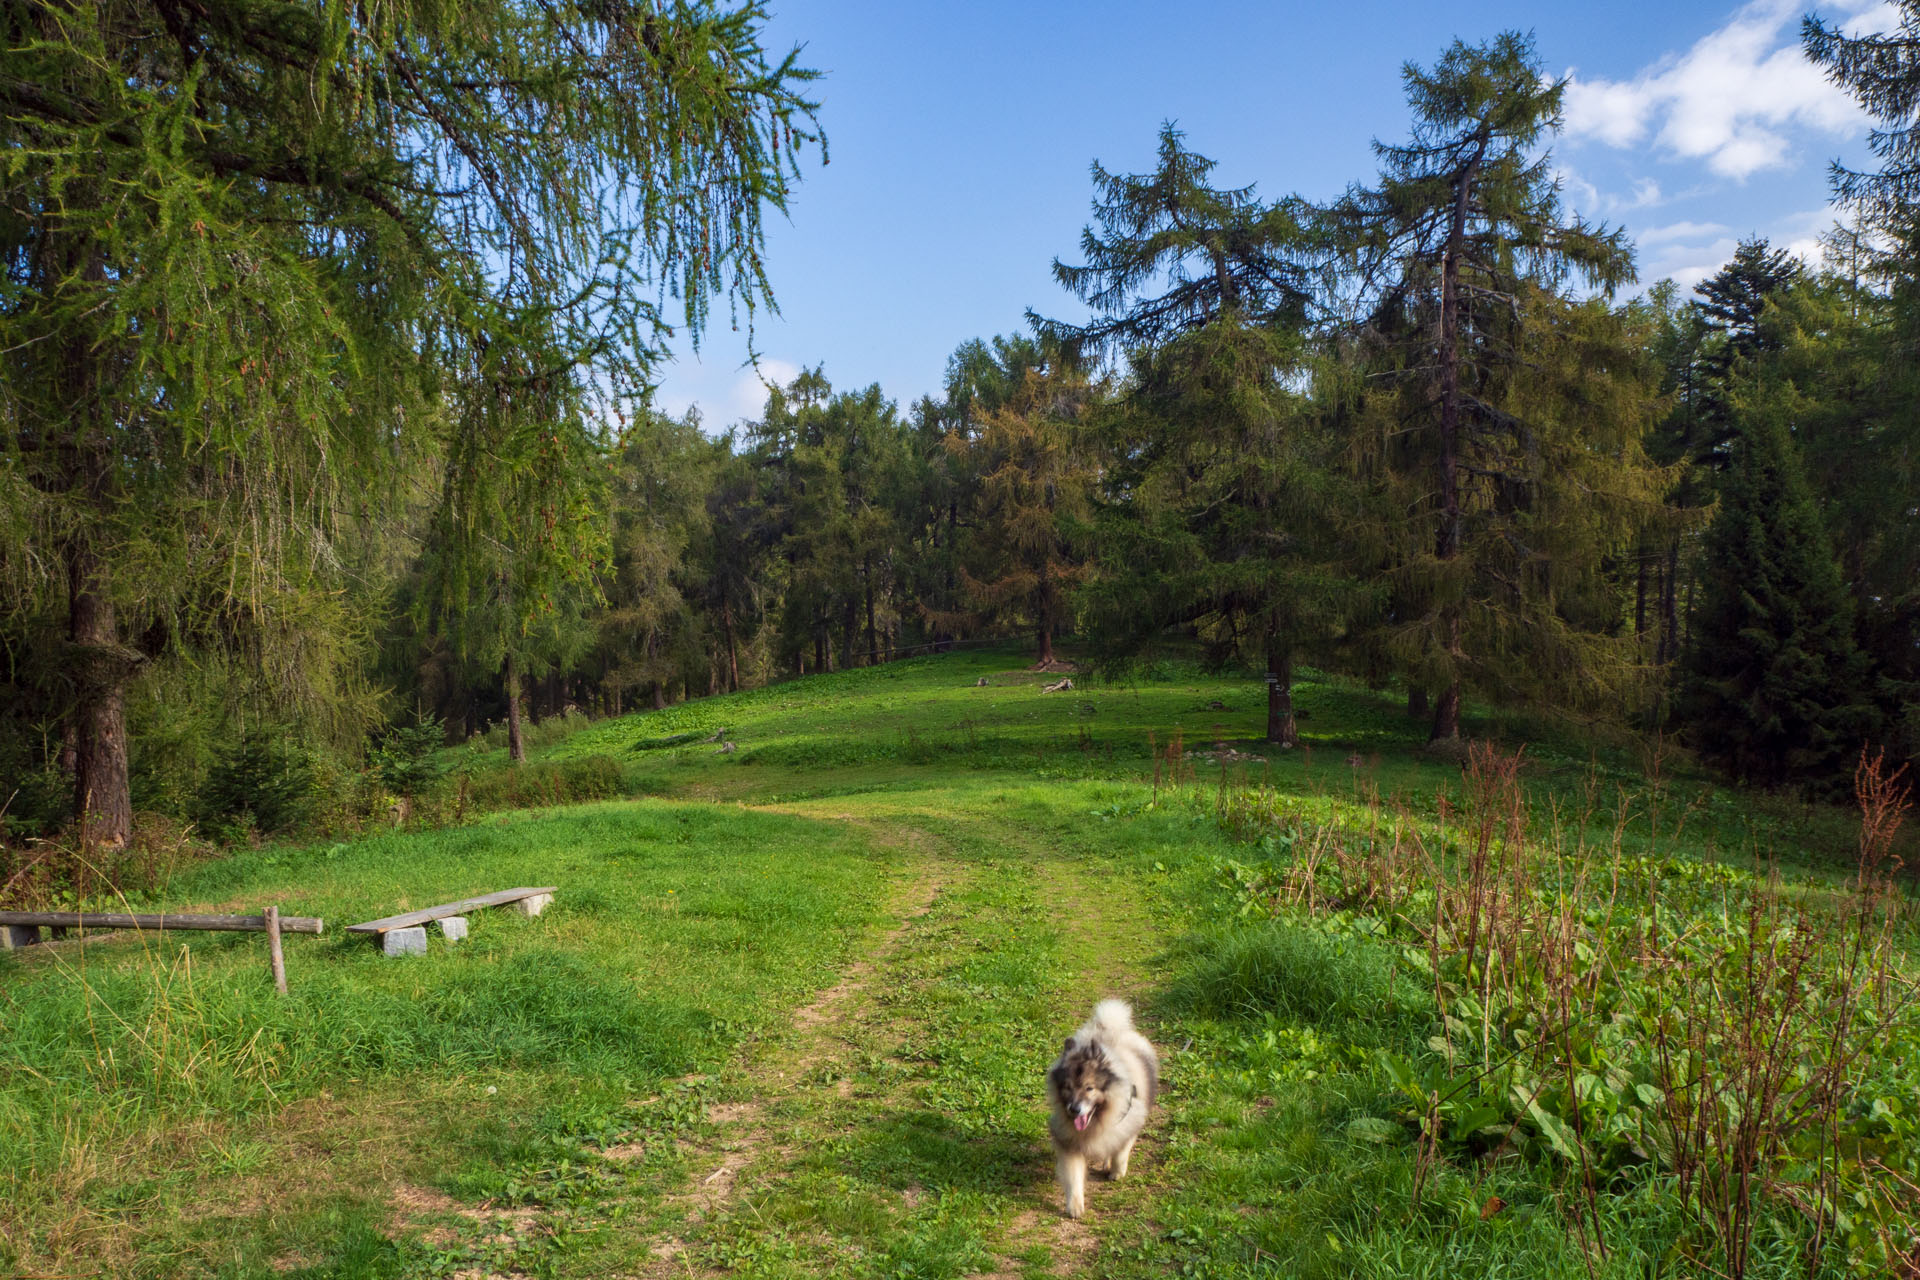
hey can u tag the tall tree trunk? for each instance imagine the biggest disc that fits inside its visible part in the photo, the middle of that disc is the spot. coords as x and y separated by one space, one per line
101 666
822 656
733 656
949 600
1446 714
1045 613
873 635
1670 604
1446 720
516 739
659 695
1281 730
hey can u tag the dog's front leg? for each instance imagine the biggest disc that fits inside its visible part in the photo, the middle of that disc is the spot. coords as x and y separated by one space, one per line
1071 1169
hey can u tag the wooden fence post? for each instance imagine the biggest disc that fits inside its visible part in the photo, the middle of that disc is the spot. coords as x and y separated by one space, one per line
273 950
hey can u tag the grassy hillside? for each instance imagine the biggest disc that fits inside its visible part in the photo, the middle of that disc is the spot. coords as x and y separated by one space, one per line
790 1012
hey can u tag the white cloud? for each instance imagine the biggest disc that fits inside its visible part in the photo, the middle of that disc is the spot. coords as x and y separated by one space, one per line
747 395
1588 200
1675 231
725 396
1646 194
1689 252
1729 99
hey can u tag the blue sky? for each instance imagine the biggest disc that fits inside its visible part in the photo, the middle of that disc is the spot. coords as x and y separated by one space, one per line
961 137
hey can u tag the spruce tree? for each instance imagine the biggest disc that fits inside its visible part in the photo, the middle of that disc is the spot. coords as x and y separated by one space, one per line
1730 307
1881 70
1774 689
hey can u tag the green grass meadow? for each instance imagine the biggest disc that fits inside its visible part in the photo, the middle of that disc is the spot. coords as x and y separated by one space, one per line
790 1010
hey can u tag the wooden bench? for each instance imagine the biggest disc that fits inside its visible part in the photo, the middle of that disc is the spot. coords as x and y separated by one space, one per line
22 928
406 933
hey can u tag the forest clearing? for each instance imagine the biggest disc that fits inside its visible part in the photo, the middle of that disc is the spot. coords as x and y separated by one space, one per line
583 694
789 1012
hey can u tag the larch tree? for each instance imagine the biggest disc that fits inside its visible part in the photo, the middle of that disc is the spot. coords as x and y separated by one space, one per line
981 377
1022 558
262 259
662 471
1220 510
1468 401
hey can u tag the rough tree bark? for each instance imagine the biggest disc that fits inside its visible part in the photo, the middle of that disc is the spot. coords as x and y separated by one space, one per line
873 634
100 666
1045 613
1281 729
516 740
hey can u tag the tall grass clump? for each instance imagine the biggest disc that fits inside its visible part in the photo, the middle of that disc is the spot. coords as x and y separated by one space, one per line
1724 1039
1298 972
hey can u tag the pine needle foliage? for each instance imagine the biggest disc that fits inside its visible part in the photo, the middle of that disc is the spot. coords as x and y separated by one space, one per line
1216 251
264 258
1774 688
1476 406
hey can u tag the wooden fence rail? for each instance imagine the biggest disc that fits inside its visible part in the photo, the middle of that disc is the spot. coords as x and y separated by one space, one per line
22 928
168 920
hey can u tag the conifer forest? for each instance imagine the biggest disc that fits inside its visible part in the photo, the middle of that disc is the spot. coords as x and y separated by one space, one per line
327 423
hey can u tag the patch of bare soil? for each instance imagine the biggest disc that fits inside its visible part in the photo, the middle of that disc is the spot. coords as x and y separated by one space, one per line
414 1205
1070 1240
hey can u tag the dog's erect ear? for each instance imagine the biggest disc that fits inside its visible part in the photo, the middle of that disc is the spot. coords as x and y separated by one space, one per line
1068 1046
1058 1075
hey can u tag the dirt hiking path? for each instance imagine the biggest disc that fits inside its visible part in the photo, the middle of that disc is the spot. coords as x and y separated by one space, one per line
899 1113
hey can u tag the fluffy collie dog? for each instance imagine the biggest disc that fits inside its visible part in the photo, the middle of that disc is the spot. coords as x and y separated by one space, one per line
1101 1088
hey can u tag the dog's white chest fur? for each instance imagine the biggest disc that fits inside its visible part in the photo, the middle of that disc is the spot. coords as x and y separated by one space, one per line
1101 1087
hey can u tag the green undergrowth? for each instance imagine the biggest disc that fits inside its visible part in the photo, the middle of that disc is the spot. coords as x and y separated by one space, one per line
945 876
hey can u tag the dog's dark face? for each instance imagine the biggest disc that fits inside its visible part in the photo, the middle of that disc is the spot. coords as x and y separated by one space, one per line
1082 1081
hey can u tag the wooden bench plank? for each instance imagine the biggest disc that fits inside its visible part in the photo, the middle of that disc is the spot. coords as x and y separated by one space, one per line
165 920
425 915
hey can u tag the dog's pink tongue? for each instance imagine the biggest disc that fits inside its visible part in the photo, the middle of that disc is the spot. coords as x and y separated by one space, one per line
1080 1121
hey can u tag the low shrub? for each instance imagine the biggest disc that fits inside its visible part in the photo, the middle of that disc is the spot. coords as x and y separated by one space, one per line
596 777
263 780
408 762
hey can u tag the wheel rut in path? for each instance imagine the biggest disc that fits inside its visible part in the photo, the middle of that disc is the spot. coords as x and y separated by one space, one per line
1108 938
787 1067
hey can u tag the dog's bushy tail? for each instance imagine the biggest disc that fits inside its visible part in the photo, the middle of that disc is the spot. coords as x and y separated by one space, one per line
1111 1017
